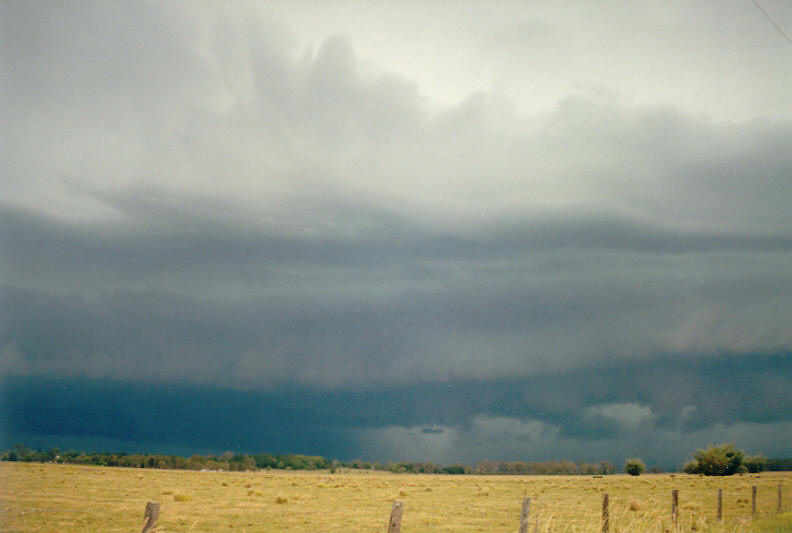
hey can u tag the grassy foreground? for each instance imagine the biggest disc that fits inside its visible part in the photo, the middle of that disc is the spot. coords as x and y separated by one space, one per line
68 498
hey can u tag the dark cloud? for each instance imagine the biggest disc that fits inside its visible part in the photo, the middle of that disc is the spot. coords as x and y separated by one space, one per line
196 197
720 391
450 328
165 236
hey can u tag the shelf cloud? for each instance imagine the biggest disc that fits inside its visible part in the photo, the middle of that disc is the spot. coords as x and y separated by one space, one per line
281 211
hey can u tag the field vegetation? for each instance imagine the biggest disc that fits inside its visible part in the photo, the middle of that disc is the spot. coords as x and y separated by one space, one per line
47 497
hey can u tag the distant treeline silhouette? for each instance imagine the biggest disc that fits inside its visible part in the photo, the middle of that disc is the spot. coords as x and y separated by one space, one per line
229 461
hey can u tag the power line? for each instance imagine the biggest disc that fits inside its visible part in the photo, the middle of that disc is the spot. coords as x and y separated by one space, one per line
772 21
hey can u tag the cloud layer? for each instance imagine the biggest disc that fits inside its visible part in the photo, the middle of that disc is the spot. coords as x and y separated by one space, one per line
194 196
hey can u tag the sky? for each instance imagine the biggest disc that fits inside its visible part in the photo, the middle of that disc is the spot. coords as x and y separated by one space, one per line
431 231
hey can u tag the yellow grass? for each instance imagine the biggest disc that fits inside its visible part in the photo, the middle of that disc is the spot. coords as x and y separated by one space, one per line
67 498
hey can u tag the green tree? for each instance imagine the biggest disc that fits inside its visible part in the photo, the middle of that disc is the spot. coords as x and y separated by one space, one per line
720 460
634 467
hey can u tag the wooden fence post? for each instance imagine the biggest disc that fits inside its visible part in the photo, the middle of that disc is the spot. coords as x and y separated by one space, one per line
150 517
675 507
395 518
753 500
779 497
605 513
720 505
526 510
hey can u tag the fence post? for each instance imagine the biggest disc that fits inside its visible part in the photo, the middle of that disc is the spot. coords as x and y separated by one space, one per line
526 509
720 505
395 518
779 497
150 517
675 507
753 500
605 513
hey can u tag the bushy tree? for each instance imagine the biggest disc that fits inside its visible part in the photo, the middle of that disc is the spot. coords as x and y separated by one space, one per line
720 460
634 467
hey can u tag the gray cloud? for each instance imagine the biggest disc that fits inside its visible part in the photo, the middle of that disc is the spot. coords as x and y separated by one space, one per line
623 406
196 195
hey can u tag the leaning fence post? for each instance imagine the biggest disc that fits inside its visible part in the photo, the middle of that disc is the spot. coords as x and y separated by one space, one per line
779 497
395 518
526 509
675 507
720 505
150 517
753 500
605 513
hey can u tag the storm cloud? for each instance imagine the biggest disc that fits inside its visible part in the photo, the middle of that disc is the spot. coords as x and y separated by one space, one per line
232 203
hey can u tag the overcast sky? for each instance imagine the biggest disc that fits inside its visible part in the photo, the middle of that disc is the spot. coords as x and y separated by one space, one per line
429 231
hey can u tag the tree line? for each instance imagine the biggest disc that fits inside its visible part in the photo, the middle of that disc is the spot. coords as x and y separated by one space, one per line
715 460
227 461
545 468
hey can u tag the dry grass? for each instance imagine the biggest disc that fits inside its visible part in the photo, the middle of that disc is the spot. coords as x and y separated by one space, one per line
66 498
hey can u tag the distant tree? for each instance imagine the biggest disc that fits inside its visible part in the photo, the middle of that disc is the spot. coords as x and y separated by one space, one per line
19 453
634 467
606 467
720 460
755 463
485 466
134 461
197 462
429 468
264 460
52 454
778 465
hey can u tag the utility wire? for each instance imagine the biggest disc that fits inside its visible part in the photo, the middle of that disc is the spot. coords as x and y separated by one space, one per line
772 21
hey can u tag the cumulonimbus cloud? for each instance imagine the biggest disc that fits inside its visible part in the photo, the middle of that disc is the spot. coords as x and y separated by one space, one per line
193 198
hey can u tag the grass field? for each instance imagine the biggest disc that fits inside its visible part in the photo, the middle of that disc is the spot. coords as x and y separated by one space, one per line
67 498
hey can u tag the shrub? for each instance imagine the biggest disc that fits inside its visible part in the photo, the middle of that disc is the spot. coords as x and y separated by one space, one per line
634 467
720 460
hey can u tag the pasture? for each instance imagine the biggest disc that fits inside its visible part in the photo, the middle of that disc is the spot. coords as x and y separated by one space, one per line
67 498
